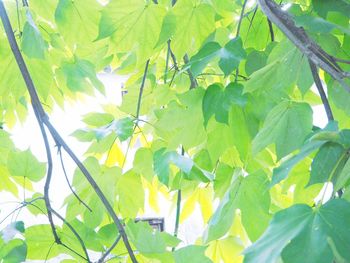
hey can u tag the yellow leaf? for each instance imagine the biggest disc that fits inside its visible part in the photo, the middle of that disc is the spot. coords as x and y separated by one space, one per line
205 202
228 250
189 206
152 193
238 230
115 155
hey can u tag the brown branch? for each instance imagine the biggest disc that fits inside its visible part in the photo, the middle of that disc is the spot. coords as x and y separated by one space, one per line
303 42
43 118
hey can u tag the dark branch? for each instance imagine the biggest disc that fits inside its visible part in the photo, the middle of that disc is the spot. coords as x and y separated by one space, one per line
272 34
320 89
303 42
141 90
48 177
101 260
75 233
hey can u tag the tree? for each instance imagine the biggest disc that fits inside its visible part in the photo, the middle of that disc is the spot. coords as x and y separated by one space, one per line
219 96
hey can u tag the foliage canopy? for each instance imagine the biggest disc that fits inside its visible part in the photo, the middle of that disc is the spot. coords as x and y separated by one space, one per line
218 107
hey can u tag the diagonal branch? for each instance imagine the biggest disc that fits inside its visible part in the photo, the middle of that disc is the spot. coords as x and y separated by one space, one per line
44 120
74 232
303 42
320 89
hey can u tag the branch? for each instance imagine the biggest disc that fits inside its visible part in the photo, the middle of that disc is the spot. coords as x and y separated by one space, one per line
48 177
69 185
320 89
75 233
141 90
193 80
43 118
272 34
238 30
101 260
303 42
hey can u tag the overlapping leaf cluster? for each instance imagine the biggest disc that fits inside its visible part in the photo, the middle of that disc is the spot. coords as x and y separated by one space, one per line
218 109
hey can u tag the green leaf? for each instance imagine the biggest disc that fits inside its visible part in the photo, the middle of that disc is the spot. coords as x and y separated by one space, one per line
192 253
285 66
173 128
323 7
33 45
284 169
318 25
217 101
343 178
230 55
205 55
325 162
77 20
96 119
81 76
130 202
284 226
254 202
316 141
287 125
142 163
299 232
250 195
194 24
123 128
39 242
168 28
132 25
25 164
162 159
15 251
255 61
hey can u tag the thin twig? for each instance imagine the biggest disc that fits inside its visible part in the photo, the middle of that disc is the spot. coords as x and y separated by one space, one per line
127 150
75 233
177 218
340 60
69 184
272 34
141 90
72 250
109 250
48 177
239 29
